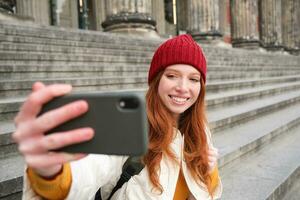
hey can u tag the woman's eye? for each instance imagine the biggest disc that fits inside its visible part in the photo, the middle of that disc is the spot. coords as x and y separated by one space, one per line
195 80
170 76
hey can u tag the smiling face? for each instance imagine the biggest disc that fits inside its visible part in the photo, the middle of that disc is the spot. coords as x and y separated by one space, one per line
179 88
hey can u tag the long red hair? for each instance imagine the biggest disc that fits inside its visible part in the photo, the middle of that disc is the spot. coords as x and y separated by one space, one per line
192 124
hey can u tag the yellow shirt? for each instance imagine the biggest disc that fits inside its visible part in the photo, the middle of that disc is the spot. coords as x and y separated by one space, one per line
182 191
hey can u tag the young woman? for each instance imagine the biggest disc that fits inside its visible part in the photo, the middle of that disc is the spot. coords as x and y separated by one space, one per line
180 164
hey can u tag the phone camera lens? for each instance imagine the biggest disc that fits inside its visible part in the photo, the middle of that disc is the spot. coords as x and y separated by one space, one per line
122 104
129 103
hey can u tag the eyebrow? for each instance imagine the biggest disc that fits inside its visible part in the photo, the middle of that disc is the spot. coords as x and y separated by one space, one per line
174 70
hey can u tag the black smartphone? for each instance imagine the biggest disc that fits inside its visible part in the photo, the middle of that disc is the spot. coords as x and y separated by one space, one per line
118 119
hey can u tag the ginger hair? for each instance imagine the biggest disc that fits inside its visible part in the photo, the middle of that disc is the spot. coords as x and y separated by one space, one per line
192 124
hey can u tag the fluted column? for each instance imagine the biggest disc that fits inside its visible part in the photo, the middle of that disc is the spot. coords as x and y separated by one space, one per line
100 13
270 24
225 20
244 15
291 25
38 10
129 16
203 19
158 13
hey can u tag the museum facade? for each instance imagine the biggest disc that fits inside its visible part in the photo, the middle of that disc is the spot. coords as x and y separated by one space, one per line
270 24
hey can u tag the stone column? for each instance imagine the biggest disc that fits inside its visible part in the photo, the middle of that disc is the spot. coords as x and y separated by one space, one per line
130 17
182 17
99 13
270 24
67 11
225 20
291 25
244 15
203 19
38 10
158 13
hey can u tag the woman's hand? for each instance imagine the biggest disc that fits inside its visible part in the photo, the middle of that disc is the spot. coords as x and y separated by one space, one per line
29 134
212 158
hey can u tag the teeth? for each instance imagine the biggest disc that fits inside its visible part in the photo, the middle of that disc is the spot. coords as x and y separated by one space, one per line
179 100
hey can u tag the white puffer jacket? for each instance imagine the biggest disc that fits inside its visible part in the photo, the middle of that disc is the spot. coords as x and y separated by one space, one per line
94 171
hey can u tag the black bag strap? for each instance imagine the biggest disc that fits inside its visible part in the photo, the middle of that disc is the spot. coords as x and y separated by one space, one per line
131 167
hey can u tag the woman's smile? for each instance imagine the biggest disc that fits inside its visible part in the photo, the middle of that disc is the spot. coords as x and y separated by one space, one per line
179 100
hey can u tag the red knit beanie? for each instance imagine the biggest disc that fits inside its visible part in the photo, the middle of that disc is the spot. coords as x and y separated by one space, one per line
178 50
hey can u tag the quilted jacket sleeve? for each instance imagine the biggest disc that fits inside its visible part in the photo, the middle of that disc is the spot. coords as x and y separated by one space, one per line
88 175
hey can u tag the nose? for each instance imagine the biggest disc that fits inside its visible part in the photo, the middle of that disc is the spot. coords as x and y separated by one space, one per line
182 86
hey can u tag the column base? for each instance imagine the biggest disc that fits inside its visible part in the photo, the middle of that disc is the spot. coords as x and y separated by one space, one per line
133 29
15 18
273 47
209 37
131 23
246 44
293 51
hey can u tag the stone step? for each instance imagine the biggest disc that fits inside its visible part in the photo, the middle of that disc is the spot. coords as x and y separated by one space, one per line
219 118
7 145
100 71
10 106
257 175
30 58
96 38
15 67
227 98
58 33
255 133
116 43
63 34
18 67
14 196
228 116
17 88
291 186
29 47
220 86
89 36
103 70
21 48
11 176
42 57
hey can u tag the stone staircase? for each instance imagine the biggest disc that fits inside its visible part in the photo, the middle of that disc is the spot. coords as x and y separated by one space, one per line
253 100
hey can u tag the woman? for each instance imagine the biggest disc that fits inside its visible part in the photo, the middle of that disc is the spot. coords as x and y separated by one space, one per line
181 162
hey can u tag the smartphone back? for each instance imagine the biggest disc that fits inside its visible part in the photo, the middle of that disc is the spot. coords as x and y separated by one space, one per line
118 118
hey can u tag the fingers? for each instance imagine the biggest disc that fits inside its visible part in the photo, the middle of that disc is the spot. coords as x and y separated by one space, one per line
37 86
55 117
49 120
212 158
38 97
55 141
213 152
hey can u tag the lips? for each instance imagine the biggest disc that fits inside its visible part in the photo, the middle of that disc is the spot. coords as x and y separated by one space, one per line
179 100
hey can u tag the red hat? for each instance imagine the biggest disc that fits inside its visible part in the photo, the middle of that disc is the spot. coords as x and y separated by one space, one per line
178 50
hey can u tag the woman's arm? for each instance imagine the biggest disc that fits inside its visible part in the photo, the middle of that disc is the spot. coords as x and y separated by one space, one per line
80 178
